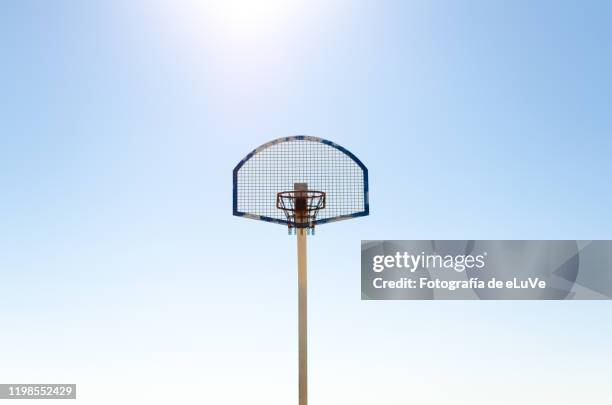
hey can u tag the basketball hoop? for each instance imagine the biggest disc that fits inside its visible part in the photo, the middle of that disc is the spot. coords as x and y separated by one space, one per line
277 166
299 162
301 207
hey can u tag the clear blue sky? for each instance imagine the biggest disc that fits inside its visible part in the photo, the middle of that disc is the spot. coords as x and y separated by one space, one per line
120 123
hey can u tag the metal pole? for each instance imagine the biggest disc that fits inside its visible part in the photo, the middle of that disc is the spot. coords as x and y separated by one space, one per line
302 313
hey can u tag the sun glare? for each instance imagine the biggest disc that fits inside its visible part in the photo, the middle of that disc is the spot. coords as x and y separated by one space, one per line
243 44
248 15
238 21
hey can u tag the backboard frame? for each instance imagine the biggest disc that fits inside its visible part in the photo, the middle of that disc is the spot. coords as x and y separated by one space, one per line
366 203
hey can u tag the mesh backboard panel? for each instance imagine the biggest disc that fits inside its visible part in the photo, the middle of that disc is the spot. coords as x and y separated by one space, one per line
276 166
